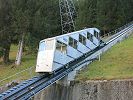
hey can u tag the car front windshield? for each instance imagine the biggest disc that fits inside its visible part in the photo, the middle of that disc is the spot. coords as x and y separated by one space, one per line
42 46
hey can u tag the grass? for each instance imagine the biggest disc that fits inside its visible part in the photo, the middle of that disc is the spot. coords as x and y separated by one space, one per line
8 70
116 63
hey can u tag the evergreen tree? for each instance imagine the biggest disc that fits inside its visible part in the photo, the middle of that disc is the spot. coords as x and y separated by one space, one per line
45 22
40 19
106 15
5 37
86 14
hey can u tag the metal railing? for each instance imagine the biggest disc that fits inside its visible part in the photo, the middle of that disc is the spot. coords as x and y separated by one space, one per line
17 77
119 33
109 34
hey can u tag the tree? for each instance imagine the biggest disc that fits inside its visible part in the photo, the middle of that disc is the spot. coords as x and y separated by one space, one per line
34 20
5 22
29 21
20 23
106 15
45 22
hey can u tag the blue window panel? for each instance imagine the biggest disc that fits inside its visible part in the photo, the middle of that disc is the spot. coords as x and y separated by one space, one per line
73 52
61 58
75 36
96 41
90 44
83 48
64 39
41 46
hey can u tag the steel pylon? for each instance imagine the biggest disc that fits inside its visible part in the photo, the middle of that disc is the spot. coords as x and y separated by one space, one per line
68 14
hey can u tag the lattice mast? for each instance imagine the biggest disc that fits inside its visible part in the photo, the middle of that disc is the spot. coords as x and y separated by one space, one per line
67 13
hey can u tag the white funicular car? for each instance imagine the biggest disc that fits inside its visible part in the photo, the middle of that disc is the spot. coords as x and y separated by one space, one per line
60 50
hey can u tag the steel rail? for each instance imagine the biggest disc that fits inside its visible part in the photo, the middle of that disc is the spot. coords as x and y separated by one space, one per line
29 88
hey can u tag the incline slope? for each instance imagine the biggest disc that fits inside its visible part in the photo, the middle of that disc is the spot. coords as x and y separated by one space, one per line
116 63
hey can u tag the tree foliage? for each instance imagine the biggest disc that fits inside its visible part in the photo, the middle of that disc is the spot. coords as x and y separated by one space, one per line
5 33
35 19
106 15
39 19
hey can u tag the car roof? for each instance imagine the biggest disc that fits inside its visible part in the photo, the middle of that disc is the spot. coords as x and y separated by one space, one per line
52 38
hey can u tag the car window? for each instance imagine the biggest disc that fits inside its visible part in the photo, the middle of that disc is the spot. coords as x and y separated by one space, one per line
42 46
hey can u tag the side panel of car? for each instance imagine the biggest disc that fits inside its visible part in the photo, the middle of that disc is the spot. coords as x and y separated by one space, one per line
60 50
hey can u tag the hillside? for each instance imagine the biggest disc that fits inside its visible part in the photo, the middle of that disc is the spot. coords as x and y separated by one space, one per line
6 71
116 63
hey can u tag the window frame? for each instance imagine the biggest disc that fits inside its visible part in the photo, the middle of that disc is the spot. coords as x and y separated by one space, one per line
40 46
82 39
90 36
61 47
49 45
73 43
96 34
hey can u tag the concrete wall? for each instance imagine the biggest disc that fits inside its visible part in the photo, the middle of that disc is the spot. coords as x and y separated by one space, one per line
90 90
104 90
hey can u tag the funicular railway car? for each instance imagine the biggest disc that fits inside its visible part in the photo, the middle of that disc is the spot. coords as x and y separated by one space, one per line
58 51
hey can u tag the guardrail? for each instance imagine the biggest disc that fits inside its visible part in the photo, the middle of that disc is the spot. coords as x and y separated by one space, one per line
29 88
119 34
116 30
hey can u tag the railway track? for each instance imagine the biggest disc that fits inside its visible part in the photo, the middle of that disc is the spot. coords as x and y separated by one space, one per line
29 88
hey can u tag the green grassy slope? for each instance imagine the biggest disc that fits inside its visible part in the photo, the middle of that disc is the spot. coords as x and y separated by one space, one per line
8 70
116 63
